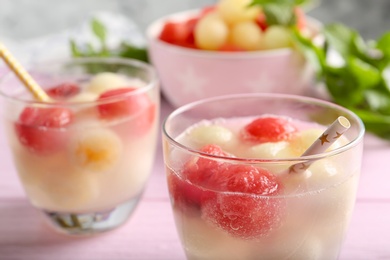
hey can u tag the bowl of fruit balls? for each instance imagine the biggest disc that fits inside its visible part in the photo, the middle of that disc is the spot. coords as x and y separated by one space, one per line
234 46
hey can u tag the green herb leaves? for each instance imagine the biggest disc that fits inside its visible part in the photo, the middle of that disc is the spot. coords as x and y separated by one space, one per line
125 50
383 44
280 12
360 82
279 15
99 30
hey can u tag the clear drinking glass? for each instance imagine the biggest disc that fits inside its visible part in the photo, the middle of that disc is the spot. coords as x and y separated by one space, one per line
232 190
84 158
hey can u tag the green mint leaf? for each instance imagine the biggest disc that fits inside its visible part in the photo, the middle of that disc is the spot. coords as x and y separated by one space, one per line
378 101
302 2
383 44
129 51
340 38
99 30
347 42
374 122
277 14
315 55
342 86
359 46
366 75
386 77
90 50
74 49
362 82
280 12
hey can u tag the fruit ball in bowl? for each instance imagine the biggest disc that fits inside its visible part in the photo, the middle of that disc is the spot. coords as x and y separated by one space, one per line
228 48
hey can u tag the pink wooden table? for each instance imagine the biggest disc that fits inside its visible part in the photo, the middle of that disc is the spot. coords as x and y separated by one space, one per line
150 233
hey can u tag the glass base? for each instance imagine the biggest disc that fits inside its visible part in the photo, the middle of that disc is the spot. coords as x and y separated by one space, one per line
93 222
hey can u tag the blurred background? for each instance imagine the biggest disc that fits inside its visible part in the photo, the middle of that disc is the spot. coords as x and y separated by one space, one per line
26 19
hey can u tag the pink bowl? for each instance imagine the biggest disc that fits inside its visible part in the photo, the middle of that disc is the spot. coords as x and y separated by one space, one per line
188 74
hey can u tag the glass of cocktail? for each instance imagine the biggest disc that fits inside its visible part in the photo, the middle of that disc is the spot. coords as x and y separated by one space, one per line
85 156
242 186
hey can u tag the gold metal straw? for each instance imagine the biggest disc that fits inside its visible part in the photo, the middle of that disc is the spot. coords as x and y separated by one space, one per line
331 134
23 75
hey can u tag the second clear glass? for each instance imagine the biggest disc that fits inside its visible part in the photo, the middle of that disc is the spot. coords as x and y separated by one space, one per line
85 158
234 198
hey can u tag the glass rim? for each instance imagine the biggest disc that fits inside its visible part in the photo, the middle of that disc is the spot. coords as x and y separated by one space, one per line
258 161
151 84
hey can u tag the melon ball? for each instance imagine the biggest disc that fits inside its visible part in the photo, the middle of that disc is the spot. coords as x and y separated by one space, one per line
272 150
211 134
211 32
96 150
84 97
277 36
247 35
106 81
235 11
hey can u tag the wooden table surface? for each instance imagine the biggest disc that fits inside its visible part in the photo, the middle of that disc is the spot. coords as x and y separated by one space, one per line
150 233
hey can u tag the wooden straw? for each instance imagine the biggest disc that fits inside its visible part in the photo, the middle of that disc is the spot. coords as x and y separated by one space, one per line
331 134
23 75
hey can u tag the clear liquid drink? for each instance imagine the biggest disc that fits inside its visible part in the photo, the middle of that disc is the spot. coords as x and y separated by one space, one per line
85 157
234 196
